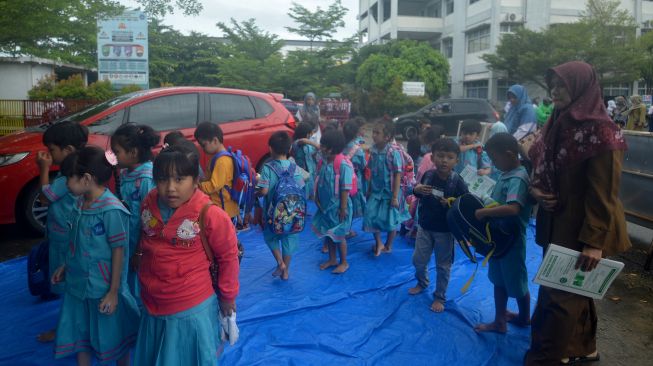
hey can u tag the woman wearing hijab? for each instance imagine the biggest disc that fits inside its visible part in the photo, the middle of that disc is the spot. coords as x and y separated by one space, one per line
310 112
620 112
520 119
577 171
636 114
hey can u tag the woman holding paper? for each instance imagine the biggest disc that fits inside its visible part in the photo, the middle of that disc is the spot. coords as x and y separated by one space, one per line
577 169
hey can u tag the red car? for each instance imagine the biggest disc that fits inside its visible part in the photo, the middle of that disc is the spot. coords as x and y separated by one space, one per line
247 119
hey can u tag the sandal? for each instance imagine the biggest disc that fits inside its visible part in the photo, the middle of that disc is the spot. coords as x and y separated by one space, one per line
581 359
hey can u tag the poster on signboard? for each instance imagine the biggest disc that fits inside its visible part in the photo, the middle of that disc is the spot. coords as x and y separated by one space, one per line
123 50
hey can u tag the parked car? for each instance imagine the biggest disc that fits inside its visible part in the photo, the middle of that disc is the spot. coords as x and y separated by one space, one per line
291 106
446 113
244 116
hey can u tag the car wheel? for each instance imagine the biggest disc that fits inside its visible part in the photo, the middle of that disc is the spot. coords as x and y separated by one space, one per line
34 212
410 131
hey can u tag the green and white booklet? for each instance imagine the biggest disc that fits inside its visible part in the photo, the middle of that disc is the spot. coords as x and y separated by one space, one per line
557 271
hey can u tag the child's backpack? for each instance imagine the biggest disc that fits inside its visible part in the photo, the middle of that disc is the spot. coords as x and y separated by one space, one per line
337 162
408 171
38 270
244 178
491 239
287 209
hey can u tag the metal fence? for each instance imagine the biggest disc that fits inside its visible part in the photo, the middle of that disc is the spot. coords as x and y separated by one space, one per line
18 114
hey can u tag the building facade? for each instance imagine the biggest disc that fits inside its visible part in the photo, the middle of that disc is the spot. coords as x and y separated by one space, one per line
464 30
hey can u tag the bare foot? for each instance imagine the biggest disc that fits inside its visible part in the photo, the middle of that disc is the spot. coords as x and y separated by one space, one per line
437 306
285 274
46 337
514 318
492 327
328 264
387 249
415 290
280 268
378 248
325 248
342 268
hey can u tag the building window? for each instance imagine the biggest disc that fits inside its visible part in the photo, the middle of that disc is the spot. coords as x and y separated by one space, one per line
510 27
449 5
615 90
473 1
363 16
387 9
434 9
476 89
374 11
447 47
429 9
478 40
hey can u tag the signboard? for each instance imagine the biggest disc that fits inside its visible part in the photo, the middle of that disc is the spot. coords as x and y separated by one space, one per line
413 88
122 50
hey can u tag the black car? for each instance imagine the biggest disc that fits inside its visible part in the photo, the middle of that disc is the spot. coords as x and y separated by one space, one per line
446 113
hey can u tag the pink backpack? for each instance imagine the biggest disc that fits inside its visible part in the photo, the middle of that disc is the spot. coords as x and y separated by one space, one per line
337 162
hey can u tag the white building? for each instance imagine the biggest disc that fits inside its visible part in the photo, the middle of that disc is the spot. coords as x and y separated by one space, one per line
464 30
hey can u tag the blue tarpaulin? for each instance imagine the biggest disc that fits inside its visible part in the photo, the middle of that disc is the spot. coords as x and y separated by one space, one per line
362 317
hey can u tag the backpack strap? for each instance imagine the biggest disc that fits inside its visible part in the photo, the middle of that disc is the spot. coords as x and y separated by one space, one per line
337 162
205 241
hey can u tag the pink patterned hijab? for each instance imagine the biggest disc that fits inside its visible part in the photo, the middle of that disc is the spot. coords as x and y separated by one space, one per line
580 131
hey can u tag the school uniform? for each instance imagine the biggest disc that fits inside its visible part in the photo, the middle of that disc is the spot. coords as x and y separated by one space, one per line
327 219
95 232
305 159
380 216
61 205
269 179
509 271
134 187
471 157
179 325
357 156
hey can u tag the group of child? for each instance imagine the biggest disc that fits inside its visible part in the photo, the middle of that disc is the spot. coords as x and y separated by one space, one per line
109 249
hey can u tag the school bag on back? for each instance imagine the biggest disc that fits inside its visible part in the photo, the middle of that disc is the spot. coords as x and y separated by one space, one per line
337 162
287 208
408 167
244 178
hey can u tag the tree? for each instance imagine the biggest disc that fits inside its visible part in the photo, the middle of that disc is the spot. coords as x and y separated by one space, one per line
646 68
250 40
65 29
380 76
604 37
159 8
319 24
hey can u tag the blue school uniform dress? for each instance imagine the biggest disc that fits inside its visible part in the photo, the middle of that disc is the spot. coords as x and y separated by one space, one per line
134 187
94 232
327 219
61 205
380 216
510 271
306 159
357 156
269 179
471 157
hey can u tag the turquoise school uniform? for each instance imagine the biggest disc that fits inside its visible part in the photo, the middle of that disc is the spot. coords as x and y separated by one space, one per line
357 157
470 157
269 179
380 216
61 205
94 232
510 271
134 187
327 219
305 157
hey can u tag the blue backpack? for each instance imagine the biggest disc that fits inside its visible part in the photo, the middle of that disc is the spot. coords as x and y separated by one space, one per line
244 179
287 209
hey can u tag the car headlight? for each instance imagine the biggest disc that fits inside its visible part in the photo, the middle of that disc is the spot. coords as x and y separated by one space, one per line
395 119
12 158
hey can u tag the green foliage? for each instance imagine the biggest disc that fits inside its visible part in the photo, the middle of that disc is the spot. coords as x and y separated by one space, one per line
74 88
646 68
319 24
604 37
159 8
248 40
381 73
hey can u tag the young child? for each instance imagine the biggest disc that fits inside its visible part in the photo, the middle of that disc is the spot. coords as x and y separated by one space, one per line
99 317
433 235
333 218
356 155
132 144
471 149
304 153
385 209
177 138
61 140
415 145
221 174
179 324
282 246
508 273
